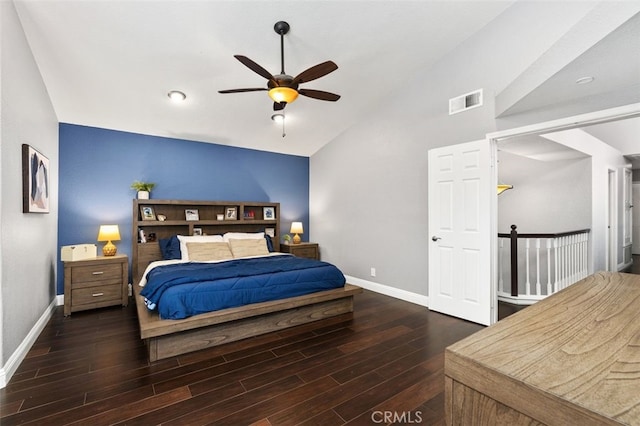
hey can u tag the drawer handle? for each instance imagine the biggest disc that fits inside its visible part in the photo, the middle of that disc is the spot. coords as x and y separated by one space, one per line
98 273
97 294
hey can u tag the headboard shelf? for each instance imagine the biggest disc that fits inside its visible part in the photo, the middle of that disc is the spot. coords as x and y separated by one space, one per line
213 217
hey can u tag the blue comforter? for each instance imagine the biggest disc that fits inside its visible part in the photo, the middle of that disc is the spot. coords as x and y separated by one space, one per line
186 289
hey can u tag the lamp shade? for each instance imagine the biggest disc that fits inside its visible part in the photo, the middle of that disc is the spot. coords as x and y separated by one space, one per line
283 94
109 233
296 228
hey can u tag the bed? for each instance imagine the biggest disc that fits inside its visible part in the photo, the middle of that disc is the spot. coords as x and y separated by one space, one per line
244 289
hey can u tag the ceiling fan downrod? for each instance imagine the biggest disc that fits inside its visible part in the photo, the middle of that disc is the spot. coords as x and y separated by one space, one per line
282 28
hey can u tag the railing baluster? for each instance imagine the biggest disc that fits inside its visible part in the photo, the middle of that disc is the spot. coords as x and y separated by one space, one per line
538 290
514 261
556 256
549 289
500 265
563 261
527 282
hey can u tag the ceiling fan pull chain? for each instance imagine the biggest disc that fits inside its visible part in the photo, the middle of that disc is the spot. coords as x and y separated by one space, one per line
283 120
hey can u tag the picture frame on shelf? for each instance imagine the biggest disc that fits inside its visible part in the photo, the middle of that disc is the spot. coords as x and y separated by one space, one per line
270 232
269 213
36 176
191 214
147 213
197 231
231 213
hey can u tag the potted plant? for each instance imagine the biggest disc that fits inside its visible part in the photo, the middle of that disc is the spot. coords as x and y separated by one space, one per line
143 188
287 239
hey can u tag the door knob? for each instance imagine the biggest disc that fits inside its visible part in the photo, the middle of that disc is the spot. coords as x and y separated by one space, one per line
434 238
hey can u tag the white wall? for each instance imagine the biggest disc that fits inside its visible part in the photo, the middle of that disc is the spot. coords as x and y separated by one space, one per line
369 186
548 196
603 159
28 242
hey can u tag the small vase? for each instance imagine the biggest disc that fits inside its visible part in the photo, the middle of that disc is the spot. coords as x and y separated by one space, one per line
143 195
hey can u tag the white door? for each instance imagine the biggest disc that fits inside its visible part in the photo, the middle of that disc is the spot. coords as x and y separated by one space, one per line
462 198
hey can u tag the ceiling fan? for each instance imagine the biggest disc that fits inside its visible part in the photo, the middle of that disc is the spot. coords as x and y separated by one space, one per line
283 88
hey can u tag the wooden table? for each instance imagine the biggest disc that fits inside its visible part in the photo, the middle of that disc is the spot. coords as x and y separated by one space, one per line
571 359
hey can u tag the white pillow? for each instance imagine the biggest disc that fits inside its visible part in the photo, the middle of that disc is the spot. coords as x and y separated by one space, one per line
184 250
243 236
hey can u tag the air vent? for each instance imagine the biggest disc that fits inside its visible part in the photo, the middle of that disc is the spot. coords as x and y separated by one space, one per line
465 102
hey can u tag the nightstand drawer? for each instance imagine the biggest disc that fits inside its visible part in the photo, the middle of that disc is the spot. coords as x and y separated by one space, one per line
83 274
102 293
308 252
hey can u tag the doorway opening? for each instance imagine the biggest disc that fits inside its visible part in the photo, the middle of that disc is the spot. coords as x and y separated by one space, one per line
565 133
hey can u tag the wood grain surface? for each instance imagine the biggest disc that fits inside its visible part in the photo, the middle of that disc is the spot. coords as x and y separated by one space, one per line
573 358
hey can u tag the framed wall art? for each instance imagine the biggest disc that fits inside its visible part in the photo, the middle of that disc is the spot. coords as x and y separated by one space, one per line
35 181
269 213
147 213
231 213
191 214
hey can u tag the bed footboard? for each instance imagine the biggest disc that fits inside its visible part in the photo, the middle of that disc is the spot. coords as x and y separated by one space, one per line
167 338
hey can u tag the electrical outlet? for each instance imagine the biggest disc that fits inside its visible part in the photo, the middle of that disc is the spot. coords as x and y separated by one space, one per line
373 272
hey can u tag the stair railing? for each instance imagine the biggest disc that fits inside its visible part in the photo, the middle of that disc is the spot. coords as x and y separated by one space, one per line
540 264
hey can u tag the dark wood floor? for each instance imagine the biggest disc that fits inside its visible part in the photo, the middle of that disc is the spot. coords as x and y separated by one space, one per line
91 369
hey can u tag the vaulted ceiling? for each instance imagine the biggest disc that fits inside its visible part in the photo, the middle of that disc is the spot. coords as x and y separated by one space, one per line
111 64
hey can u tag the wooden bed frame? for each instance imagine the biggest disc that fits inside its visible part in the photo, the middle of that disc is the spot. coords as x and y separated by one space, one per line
167 338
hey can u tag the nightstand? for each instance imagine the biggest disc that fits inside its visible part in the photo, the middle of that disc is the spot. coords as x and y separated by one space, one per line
96 283
308 250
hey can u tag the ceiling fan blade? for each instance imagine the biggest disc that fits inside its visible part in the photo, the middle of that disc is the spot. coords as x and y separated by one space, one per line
256 89
254 67
314 72
319 94
279 106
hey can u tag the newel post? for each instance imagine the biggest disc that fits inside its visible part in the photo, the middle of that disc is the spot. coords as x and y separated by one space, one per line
514 261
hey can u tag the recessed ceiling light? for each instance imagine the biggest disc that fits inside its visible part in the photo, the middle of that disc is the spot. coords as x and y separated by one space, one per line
585 80
176 96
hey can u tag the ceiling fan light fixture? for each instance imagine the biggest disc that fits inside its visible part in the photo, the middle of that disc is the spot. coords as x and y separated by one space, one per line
283 94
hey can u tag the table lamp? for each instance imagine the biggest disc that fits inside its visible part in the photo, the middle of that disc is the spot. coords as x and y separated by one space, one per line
109 233
296 228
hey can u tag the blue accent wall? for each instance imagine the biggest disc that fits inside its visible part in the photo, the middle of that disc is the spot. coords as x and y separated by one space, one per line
97 167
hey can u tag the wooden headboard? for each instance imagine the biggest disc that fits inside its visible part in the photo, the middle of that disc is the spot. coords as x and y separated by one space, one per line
158 219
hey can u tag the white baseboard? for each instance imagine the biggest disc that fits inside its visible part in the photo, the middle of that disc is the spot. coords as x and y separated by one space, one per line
12 364
407 296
